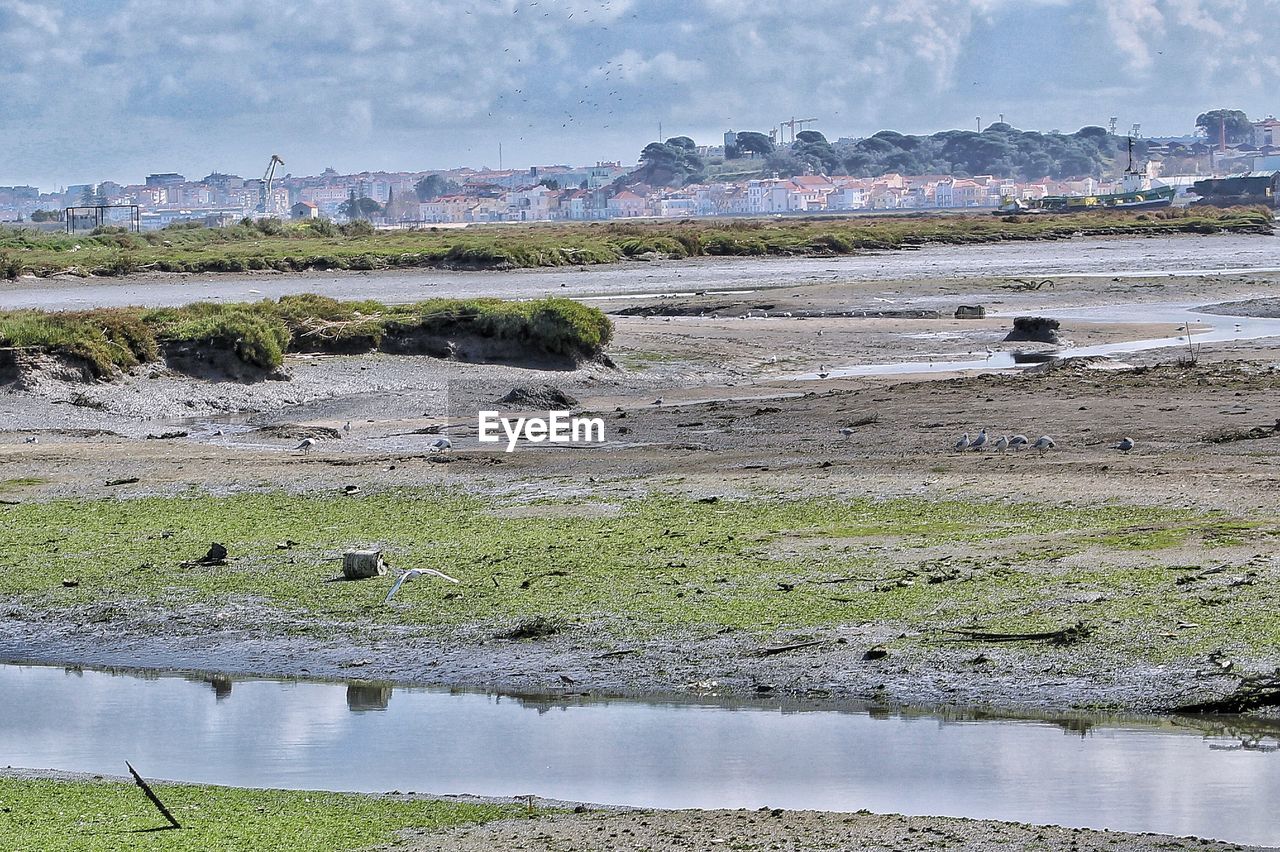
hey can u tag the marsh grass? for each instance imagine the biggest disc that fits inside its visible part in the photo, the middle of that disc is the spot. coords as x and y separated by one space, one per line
274 245
261 333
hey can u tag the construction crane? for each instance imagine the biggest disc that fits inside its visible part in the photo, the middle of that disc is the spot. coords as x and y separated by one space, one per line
1111 125
793 124
1136 131
264 189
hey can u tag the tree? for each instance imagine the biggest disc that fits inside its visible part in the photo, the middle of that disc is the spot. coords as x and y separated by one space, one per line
751 142
434 186
550 183
1238 127
91 197
813 149
359 208
671 163
46 216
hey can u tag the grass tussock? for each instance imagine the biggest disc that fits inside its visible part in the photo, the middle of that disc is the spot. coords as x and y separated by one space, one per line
270 244
261 333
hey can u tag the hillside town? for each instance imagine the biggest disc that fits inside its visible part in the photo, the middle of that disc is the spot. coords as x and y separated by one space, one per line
736 184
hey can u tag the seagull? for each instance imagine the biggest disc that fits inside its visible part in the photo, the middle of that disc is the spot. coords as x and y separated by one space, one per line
1125 445
1002 443
414 573
1017 442
306 445
1044 443
441 444
846 431
980 442
346 427
963 443
32 440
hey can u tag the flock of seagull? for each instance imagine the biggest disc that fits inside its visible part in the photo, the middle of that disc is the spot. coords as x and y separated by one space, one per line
1019 442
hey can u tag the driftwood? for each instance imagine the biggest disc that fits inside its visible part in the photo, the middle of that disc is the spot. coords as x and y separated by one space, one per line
620 653
782 649
1066 636
155 800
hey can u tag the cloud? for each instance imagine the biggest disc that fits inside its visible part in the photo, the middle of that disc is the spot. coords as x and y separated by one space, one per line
92 89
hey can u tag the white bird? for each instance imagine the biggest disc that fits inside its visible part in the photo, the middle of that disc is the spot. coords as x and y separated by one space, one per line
1125 445
1043 444
980 442
306 445
1002 443
412 574
963 443
846 431
441 444
1017 442
346 427
32 440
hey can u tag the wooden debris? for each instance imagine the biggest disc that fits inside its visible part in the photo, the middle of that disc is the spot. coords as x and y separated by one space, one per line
1066 636
782 649
155 800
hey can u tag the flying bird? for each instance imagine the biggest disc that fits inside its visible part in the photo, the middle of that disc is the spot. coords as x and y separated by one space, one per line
306 445
1125 445
413 574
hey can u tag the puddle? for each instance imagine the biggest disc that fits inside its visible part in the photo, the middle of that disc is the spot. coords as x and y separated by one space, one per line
1205 328
1176 776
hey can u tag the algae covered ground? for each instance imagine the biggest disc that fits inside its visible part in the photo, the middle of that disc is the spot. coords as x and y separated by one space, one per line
39 815
648 566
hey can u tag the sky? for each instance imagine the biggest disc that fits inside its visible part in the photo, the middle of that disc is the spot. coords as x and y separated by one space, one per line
94 90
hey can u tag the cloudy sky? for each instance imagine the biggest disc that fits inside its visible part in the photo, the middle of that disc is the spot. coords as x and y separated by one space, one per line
92 90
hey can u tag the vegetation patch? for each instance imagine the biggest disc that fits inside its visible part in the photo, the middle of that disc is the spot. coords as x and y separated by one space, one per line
260 333
103 816
274 245
653 565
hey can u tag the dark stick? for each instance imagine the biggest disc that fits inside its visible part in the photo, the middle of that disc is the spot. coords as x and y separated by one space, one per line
155 800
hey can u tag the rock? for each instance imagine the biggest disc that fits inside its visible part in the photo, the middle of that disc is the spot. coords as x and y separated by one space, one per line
971 312
545 398
217 555
363 564
876 652
1035 329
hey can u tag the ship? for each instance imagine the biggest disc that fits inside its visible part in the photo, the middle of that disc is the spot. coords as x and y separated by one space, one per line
1138 192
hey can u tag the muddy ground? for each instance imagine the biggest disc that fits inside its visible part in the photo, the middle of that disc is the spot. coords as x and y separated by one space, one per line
708 398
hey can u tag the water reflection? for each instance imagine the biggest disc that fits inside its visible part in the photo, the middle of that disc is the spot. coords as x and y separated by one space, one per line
363 697
1091 770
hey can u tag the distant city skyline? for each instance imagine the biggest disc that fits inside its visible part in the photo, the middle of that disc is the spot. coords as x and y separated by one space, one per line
97 90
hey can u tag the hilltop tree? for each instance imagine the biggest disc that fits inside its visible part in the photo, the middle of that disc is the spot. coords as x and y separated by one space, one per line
671 163
1238 127
751 142
813 150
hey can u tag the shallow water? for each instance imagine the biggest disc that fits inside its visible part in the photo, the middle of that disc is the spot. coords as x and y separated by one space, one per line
1127 774
1204 328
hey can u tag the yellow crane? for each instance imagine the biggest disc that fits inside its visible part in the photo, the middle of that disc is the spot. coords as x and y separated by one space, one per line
264 189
